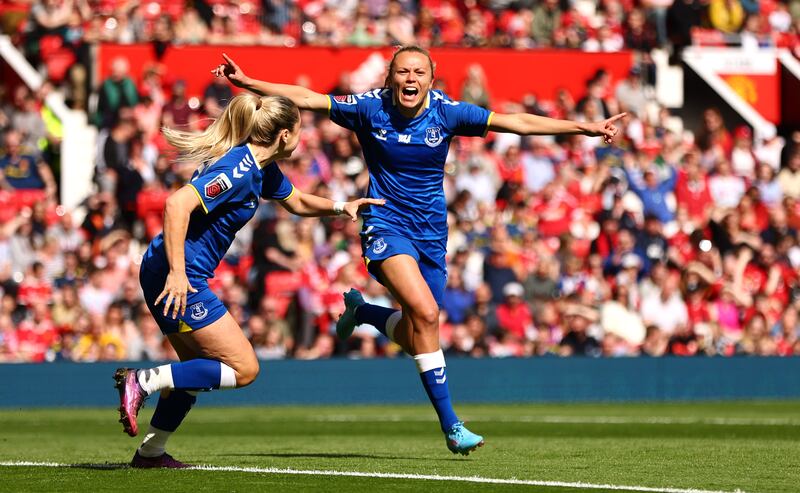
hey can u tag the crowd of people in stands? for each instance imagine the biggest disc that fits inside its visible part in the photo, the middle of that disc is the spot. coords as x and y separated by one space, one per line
668 243
60 33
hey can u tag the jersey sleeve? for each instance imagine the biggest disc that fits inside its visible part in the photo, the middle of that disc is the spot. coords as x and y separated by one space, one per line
350 111
467 119
224 181
274 184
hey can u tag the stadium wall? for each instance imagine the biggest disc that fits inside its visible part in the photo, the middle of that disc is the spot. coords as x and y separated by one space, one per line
510 74
392 381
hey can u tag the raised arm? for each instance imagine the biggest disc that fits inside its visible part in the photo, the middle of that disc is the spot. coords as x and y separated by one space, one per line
527 124
304 98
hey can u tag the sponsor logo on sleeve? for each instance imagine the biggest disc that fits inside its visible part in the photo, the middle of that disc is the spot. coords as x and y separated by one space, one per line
216 187
349 99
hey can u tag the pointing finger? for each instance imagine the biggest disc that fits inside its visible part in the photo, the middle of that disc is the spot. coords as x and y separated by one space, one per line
230 61
616 117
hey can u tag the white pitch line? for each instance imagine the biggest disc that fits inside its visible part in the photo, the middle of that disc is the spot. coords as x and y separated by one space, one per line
614 420
390 475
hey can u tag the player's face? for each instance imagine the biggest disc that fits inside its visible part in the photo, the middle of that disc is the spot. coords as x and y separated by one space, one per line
292 139
411 79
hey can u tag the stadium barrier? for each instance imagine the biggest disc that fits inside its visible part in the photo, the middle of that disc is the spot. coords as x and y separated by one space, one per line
392 381
510 74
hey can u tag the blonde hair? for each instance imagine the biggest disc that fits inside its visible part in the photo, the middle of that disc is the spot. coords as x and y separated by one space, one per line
247 118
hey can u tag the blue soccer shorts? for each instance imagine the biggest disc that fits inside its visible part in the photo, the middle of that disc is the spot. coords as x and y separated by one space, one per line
429 254
202 308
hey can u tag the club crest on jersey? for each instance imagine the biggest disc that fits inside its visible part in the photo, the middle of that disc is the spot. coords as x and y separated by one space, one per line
379 246
198 311
217 186
349 99
433 136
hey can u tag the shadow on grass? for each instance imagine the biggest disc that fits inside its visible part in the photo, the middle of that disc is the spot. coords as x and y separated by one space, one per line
292 455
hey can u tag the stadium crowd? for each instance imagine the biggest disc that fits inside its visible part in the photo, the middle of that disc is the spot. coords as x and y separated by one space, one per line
670 243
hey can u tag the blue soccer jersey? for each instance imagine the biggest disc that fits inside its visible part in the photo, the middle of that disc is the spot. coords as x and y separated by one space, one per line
228 190
406 157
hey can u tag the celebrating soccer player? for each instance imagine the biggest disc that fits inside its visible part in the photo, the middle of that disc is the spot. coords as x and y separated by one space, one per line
201 219
405 130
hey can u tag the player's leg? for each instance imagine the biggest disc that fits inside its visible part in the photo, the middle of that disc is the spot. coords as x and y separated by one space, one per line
418 288
225 359
172 408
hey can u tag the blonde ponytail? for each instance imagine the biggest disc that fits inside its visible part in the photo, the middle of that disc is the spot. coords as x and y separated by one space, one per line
247 118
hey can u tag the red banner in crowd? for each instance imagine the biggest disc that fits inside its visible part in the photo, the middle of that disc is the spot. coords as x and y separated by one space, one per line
510 74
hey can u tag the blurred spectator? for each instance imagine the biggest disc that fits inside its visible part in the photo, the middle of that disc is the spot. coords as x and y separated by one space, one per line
577 341
665 308
116 92
513 315
22 168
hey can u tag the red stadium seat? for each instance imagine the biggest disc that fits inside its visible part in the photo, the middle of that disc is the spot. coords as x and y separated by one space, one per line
282 286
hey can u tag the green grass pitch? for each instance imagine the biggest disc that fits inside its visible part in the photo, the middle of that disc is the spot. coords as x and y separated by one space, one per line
747 446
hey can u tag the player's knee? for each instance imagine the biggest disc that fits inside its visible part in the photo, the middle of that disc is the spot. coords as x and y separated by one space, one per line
426 317
247 373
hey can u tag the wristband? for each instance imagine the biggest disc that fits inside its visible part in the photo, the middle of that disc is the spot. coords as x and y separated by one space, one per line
338 207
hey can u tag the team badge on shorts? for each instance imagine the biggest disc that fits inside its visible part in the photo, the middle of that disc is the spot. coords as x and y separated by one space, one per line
433 136
217 186
379 246
198 311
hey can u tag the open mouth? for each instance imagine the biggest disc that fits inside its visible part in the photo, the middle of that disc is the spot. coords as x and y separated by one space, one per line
409 93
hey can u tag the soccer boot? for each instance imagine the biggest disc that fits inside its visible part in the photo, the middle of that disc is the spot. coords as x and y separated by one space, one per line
162 461
462 441
131 399
347 322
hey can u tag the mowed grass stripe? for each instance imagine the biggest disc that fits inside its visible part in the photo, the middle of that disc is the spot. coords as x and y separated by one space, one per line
403 476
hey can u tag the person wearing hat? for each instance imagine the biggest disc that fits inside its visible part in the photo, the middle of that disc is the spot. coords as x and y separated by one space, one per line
513 315
576 340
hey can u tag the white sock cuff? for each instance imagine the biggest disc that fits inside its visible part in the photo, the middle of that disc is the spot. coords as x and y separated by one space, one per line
391 323
429 361
227 377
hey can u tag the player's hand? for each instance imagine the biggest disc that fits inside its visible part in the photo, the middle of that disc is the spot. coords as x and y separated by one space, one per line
605 128
353 208
175 291
232 71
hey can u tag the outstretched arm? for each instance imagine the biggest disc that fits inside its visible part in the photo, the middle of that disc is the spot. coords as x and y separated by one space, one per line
304 98
527 124
306 204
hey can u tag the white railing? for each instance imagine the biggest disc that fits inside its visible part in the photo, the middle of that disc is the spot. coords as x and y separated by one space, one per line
78 140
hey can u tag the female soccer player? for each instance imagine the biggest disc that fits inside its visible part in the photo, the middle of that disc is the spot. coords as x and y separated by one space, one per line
201 219
405 129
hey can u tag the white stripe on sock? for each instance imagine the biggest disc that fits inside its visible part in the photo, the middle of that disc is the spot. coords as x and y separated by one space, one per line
227 377
429 361
391 323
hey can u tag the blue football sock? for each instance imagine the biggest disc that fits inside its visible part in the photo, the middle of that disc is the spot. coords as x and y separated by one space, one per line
171 410
435 383
197 374
374 315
